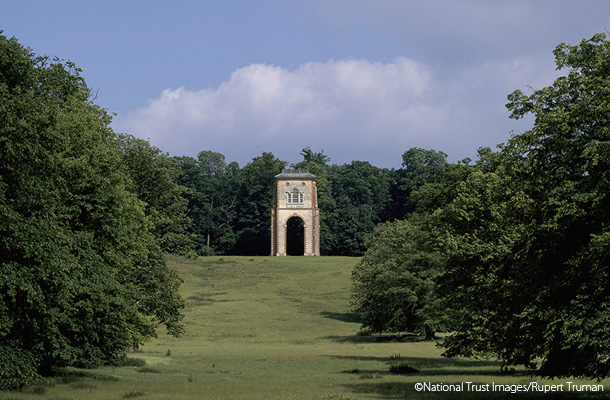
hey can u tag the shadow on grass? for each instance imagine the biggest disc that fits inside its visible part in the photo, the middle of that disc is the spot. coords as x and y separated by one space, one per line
65 375
434 366
408 338
343 317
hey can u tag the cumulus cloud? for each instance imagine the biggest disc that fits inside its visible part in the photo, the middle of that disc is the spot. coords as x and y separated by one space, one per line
352 109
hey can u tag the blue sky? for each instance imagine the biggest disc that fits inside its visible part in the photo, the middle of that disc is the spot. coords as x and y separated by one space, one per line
359 79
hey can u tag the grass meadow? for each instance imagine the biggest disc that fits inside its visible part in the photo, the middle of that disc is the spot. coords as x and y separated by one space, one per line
280 328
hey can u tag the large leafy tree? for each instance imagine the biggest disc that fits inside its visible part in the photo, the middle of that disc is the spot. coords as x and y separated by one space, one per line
393 286
420 167
154 178
526 279
81 274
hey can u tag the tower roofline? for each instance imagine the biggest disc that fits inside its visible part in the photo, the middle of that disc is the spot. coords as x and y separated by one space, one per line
295 174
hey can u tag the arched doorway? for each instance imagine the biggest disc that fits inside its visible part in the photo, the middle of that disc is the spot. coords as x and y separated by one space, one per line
295 237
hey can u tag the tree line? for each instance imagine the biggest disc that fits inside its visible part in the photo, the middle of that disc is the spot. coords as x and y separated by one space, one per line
229 207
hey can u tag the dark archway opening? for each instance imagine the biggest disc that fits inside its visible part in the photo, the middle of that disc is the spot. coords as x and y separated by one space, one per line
295 237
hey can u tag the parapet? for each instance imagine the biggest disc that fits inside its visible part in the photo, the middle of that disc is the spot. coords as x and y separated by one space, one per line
295 173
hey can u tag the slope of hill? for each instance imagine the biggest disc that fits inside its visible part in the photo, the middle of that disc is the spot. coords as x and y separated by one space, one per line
272 328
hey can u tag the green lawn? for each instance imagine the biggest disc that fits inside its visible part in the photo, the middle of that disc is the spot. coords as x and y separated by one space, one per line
277 328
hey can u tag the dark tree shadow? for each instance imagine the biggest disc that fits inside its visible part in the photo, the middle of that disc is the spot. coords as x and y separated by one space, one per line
343 317
406 338
437 366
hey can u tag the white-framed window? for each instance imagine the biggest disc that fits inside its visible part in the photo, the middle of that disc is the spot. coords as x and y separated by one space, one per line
294 197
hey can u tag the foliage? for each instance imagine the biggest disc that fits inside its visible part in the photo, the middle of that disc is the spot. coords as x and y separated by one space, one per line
420 167
361 195
18 368
255 203
81 273
528 234
212 192
402 368
522 235
229 206
393 285
154 180
318 164
309 156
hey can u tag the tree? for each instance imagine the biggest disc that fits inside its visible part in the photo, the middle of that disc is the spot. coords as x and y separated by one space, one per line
361 194
154 178
393 287
213 193
81 273
256 200
309 156
318 165
419 167
528 236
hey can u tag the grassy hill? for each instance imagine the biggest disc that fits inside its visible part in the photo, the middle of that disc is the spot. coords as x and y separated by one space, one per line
274 328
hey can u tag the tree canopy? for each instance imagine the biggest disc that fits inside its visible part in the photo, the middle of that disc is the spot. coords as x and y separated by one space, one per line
523 235
394 283
538 261
154 178
82 275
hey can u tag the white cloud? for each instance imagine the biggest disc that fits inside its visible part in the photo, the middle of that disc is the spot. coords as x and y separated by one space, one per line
352 109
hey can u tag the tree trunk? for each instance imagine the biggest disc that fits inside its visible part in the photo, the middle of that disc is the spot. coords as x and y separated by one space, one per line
429 333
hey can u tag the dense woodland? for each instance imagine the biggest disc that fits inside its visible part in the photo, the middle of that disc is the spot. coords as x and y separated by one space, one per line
507 253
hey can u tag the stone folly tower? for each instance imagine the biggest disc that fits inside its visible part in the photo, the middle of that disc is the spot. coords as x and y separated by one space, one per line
295 217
